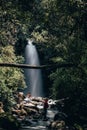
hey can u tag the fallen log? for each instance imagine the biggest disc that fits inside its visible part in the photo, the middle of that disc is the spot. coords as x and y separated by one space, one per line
27 66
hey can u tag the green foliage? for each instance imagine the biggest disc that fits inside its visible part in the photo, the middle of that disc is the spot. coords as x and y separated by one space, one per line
6 96
10 78
71 83
59 29
70 47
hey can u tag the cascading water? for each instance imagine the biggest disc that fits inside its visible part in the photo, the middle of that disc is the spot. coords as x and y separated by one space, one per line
33 76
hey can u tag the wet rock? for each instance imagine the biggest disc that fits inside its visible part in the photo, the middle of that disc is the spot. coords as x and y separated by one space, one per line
57 125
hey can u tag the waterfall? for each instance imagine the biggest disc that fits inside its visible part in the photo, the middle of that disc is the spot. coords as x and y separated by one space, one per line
33 76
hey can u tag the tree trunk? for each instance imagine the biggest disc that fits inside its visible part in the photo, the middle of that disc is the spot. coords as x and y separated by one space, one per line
37 67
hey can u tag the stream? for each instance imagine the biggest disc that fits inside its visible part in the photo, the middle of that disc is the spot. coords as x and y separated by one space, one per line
41 124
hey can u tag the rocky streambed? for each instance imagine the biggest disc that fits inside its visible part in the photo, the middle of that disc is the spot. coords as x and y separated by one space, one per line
27 113
39 124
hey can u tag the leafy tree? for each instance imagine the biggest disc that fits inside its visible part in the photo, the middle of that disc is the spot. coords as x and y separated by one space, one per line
71 48
10 78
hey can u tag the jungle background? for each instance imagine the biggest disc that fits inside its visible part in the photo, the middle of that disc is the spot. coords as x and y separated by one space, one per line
59 30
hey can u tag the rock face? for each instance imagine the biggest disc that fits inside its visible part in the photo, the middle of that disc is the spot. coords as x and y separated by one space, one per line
31 107
57 125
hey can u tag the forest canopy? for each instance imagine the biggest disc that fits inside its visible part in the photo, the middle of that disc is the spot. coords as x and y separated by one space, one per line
59 30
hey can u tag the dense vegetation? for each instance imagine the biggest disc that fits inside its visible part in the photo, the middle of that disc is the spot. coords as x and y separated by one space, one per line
59 29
